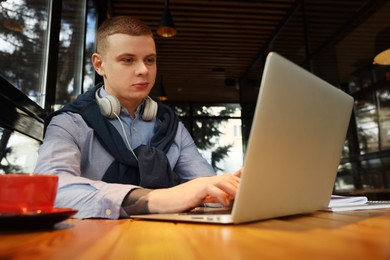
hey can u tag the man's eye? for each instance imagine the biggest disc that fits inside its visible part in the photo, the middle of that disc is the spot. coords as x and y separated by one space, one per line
150 61
127 60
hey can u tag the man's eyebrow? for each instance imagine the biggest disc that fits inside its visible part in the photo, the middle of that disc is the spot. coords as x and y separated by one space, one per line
151 54
131 54
125 54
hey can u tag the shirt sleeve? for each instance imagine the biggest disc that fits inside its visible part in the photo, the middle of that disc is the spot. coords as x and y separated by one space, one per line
190 163
61 154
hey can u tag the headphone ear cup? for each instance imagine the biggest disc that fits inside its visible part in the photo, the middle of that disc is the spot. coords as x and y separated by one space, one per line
150 109
109 106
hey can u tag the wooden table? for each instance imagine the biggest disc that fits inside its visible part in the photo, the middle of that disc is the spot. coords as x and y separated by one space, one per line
322 235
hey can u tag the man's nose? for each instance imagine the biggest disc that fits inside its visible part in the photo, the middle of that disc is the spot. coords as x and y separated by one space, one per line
141 68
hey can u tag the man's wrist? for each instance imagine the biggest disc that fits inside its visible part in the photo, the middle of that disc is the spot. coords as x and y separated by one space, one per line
136 202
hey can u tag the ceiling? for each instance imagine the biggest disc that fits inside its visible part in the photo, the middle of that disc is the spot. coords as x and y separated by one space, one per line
219 49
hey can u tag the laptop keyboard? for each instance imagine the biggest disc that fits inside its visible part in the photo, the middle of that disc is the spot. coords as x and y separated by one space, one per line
207 211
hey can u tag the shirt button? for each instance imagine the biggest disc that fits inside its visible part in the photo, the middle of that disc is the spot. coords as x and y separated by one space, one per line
108 212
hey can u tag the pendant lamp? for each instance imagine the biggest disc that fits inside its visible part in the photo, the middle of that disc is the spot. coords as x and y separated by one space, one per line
166 28
383 58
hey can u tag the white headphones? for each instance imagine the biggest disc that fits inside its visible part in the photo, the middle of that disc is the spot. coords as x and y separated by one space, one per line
110 107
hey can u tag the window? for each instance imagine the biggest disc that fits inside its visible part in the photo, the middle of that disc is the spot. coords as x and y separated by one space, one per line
71 52
90 46
367 125
216 130
383 97
18 152
23 45
24 52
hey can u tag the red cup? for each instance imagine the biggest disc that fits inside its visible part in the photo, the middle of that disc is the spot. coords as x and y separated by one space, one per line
27 193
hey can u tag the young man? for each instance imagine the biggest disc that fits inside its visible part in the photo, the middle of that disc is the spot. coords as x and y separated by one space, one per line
115 150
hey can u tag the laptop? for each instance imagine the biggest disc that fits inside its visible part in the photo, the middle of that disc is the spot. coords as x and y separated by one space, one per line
294 149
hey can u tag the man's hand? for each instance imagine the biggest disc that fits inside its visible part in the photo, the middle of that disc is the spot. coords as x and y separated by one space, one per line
219 189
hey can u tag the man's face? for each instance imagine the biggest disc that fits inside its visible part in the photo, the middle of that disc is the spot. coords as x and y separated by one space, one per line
128 66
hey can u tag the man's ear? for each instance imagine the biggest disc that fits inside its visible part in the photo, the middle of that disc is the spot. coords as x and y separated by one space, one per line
97 63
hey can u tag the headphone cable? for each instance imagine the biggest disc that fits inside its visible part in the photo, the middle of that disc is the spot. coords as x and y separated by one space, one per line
127 140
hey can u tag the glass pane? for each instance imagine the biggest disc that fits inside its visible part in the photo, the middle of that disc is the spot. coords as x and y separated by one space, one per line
90 46
220 142
228 110
344 180
71 55
367 125
345 152
18 152
383 96
182 110
23 45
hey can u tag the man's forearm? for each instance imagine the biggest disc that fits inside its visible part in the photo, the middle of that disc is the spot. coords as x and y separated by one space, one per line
136 202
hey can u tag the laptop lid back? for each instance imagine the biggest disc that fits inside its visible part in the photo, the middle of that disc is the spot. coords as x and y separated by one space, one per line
294 149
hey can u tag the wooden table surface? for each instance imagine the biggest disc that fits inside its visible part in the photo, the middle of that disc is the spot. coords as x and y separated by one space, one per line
321 235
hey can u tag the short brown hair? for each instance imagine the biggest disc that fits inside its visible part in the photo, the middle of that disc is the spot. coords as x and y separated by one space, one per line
120 24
